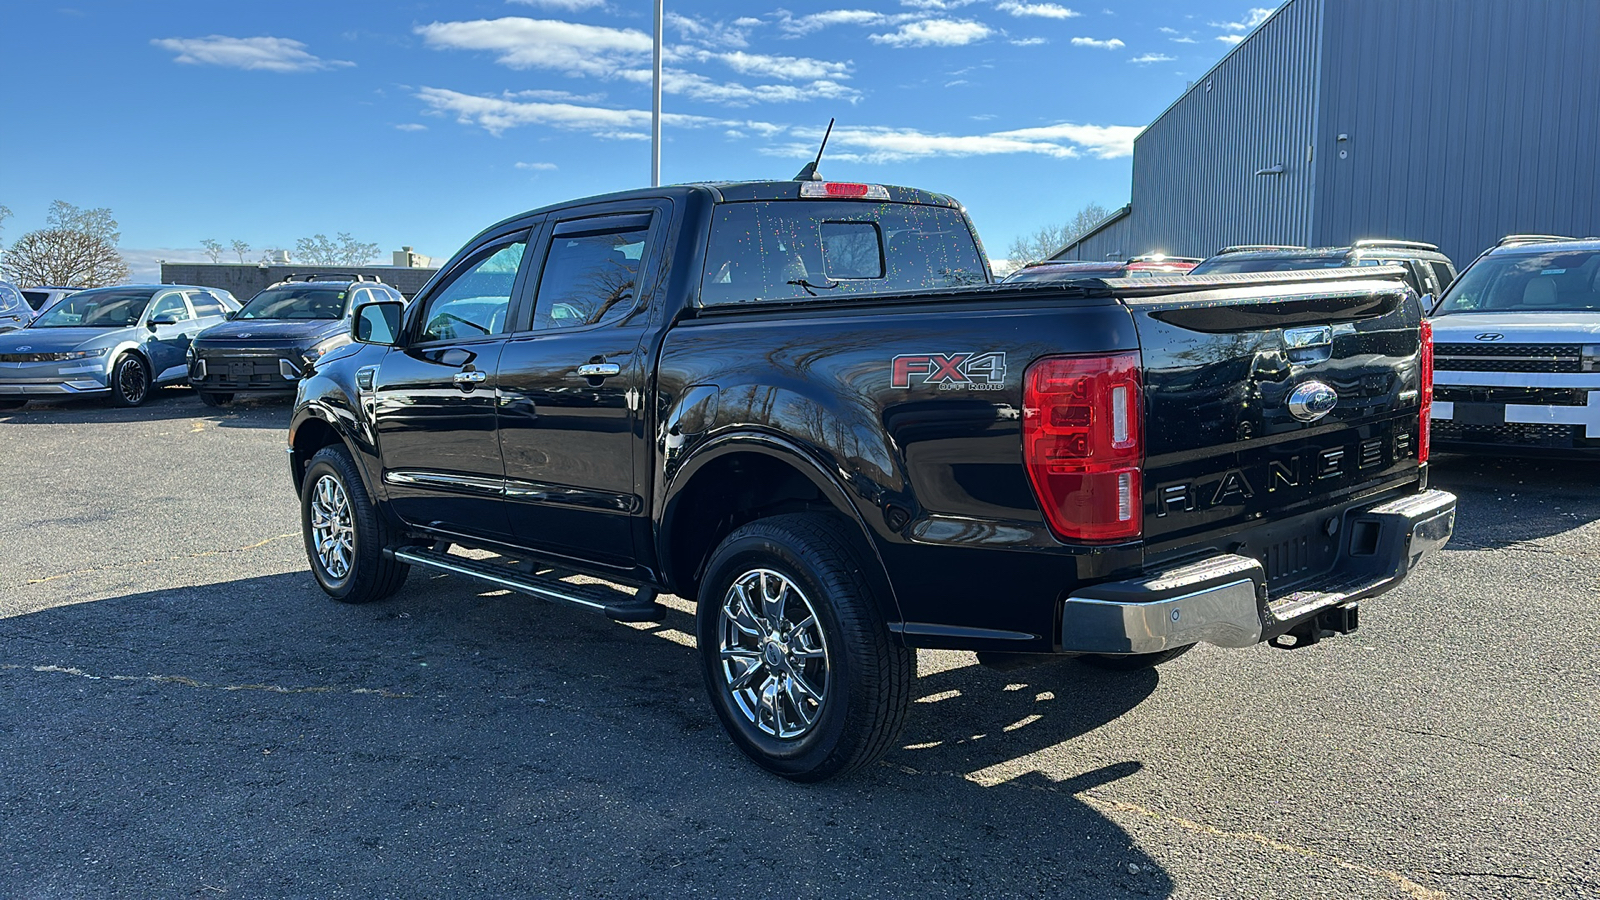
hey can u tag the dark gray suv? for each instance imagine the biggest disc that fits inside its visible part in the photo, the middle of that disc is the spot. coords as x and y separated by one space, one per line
1427 270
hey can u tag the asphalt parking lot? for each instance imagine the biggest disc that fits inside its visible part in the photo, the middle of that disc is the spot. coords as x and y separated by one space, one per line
184 714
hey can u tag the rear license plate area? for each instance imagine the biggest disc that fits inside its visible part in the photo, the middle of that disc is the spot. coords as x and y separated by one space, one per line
1291 558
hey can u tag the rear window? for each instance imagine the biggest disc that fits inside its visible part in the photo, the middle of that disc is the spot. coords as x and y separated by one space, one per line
35 299
1224 266
797 250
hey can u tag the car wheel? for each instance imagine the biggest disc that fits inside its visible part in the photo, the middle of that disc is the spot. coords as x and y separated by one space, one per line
213 399
345 534
130 381
801 668
1134 661
12 404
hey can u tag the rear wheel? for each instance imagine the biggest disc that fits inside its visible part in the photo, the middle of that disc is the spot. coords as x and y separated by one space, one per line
130 381
1136 661
210 398
801 669
345 534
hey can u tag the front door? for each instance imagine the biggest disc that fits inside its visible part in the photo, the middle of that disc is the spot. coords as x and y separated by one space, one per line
169 340
434 397
570 387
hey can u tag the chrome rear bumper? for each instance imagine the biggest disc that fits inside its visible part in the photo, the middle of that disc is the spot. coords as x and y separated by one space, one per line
1224 600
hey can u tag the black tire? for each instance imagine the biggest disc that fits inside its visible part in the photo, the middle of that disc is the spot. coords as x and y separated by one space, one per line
12 404
867 674
212 399
368 574
130 381
1136 661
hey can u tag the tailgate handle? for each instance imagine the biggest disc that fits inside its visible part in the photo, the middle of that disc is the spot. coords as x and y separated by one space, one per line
1306 338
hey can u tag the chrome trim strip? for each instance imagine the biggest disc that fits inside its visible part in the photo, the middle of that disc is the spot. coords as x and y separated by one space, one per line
467 484
288 371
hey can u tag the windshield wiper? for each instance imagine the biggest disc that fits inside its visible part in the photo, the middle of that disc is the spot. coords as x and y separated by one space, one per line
810 288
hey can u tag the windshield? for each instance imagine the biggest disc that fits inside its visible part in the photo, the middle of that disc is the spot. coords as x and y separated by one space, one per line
296 303
1527 282
1221 265
96 309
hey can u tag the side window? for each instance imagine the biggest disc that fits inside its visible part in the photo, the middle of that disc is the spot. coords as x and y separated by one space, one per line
205 304
1444 273
169 305
477 297
589 279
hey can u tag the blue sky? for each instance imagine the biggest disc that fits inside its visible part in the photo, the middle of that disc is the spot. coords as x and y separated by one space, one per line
420 123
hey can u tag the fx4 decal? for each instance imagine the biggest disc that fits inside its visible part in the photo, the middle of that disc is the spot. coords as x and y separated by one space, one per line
950 371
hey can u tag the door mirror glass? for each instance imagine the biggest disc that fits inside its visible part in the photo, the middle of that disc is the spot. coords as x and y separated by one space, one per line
167 319
378 323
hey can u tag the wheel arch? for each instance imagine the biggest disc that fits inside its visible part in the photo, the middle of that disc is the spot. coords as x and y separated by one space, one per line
314 428
742 477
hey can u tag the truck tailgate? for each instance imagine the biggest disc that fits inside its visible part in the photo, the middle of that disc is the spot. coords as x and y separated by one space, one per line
1271 401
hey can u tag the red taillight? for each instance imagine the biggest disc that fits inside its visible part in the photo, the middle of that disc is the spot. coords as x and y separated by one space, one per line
1083 444
1426 389
842 190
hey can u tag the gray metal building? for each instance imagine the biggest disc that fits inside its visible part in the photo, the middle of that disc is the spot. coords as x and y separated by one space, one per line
1450 121
244 281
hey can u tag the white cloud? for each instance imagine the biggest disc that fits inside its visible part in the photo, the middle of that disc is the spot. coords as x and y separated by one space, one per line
267 54
564 5
566 47
786 68
937 5
1230 38
876 144
1185 40
1254 17
731 93
714 35
1112 44
537 166
1029 42
1148 58
817 21
497 114
935 32
411 126
1039 10
1165 30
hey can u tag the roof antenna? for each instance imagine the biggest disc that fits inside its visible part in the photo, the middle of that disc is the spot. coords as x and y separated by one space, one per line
809 172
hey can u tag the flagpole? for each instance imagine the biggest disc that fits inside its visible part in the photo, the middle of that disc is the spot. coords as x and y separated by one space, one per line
655 110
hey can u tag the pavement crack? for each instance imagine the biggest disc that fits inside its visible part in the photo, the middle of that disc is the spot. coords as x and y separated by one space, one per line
1546 882
1512 754
1109 805
188 682
163 559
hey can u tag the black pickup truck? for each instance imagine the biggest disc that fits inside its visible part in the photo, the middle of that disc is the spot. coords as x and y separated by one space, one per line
806 406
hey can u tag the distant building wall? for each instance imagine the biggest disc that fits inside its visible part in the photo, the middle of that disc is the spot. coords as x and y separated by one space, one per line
1466 120
245 281
1462 121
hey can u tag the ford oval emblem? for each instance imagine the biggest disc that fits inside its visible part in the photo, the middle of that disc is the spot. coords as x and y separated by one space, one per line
1311 401
1489 336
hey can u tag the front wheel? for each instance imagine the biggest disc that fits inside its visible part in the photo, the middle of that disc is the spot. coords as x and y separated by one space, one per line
130 381
345 534
801 668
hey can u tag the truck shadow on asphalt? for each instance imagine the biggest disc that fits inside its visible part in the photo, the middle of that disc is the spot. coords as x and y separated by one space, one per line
1510 500
256 737
164 405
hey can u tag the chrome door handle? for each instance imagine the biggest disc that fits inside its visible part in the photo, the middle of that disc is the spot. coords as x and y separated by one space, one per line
470 377
599 370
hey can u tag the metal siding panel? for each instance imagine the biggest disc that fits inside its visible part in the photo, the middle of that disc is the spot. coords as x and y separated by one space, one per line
1469 119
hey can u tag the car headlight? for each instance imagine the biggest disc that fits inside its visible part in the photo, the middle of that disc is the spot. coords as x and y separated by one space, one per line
320 350
77 354
188 355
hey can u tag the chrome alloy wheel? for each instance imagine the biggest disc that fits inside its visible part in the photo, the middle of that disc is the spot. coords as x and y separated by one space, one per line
333 529
774 658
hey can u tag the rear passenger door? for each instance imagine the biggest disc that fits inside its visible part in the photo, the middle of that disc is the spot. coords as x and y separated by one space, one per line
571 380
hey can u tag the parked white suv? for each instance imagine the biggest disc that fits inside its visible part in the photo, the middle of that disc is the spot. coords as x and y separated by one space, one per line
1517 349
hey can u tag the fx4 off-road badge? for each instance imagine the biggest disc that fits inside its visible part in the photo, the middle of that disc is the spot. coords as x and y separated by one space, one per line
950 371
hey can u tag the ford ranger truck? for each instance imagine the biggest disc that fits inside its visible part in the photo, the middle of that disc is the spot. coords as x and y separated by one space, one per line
1517 368
807 407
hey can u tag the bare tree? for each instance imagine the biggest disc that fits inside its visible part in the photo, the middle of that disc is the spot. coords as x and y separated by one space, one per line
1047 240
65 256
241 248
317 250
213 249
269 255
96 222
5 213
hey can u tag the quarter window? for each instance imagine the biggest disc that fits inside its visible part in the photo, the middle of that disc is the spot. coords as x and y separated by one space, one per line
475 301
590 279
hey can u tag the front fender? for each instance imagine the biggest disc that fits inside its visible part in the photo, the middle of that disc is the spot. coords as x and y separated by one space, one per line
325 406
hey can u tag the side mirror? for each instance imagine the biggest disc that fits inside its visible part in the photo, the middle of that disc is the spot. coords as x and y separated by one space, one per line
378 322
229 314
162 320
